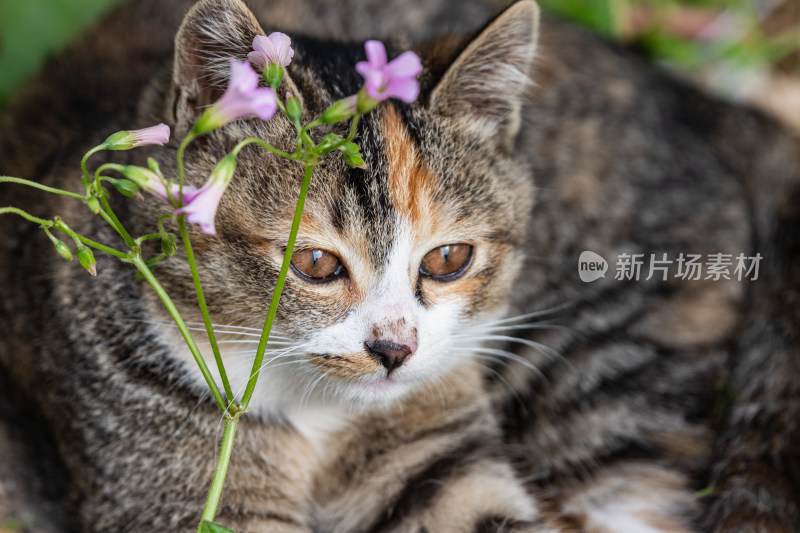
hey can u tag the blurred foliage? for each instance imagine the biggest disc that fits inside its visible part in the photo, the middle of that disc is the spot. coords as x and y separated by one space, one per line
32 30
694 34
690 35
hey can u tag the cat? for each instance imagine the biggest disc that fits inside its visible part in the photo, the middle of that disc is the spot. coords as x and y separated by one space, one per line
497 393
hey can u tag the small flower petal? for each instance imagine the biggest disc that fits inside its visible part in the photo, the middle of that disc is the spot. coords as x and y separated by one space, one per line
376 54
405 89
275 49
154 135
406 65
242 98
258 58
396 79
202 209
283 48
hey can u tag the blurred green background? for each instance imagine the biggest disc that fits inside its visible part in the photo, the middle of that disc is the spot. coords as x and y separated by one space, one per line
31 30
736 47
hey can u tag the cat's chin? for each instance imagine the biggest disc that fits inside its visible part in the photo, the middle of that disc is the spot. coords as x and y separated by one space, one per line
375 391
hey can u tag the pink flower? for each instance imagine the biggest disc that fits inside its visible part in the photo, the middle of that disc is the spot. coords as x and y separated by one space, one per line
151 136
200 206
242 98
273 49
159 190
125 140
151 182
396 79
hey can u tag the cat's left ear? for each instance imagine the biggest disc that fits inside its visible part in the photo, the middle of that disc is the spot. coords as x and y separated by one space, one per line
488 82
212 32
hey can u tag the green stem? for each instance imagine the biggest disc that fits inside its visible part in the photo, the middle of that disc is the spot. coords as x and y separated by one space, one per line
264 145
153 261
9 179
112 219
60 226
161 220
176 316
140 240
102 247
178 202
214 493
26 215
201 299
86 158
276 295
350 137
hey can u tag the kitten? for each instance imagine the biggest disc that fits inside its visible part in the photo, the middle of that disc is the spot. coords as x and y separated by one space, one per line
394 399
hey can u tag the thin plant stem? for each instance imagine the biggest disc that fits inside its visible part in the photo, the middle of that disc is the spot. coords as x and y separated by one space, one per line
276 295
101 247
215 492
201 300
115 223
25 215
176 317
140 240
60 226
86 158
264 145
178 202
10 179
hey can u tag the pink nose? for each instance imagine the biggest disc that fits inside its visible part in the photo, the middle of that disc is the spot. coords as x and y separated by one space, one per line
390 354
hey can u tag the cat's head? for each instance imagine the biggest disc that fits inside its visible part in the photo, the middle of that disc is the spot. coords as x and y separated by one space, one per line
394 262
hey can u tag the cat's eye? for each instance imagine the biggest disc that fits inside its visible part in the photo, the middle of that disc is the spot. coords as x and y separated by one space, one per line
317 266
447 262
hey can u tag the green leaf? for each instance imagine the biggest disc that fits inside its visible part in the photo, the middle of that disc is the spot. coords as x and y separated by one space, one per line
210 527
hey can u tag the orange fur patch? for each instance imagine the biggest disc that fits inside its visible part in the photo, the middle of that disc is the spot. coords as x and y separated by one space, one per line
411 182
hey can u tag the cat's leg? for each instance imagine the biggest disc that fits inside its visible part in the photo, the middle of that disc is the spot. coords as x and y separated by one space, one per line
635 497
267 488
434 462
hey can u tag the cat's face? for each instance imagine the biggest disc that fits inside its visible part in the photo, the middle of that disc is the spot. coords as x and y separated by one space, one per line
393 263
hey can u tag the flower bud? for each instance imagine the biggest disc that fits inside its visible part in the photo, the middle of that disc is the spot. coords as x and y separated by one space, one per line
127 187
168 246
242 98
153 164
274 75
201 207
125 140
340 110
94 204
61 247
329 141
354 160
86 259
365 102
350 148
293 108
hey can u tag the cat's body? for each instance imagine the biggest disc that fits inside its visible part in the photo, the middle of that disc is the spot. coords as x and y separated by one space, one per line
611 428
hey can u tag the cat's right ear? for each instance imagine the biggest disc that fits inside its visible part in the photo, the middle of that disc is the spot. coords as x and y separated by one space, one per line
488 82
212 32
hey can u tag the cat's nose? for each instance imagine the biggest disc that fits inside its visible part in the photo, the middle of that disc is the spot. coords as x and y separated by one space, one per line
390 354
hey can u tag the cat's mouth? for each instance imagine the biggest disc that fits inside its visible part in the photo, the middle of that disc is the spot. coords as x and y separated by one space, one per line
358 376
349 367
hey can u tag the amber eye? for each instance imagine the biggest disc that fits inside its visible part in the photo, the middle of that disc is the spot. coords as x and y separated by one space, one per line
317 266
447 262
